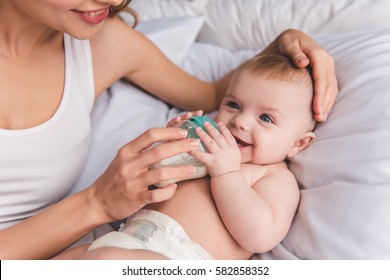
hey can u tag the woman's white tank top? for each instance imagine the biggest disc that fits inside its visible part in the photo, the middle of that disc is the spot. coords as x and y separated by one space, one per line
39 165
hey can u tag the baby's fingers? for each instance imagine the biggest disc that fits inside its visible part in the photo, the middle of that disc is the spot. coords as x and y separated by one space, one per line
206 158
221 136
174 121
209 140
184 117
227 135
197 113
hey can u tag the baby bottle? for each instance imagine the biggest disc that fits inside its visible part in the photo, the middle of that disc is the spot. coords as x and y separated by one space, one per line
184 158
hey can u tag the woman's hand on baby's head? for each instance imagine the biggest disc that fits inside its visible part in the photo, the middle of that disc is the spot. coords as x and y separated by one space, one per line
184 117
303 51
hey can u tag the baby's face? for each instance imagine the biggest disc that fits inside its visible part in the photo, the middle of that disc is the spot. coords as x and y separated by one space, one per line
265 116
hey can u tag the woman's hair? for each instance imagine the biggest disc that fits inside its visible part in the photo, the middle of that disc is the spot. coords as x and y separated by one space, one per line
114 11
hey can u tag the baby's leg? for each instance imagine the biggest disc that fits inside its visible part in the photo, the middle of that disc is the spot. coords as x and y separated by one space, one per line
113 253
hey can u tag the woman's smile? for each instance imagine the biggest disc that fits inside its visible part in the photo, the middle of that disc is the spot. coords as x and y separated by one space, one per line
93 17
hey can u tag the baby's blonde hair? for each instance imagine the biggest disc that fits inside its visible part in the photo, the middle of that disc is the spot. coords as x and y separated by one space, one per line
278 67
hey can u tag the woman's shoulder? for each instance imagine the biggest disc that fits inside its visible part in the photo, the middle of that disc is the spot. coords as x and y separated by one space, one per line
109 36
115 52
117 35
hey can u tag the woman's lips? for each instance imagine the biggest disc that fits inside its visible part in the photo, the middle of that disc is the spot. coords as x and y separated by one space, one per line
93 17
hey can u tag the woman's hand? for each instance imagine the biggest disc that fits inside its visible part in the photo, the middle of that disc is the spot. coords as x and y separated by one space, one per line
124 186
303 51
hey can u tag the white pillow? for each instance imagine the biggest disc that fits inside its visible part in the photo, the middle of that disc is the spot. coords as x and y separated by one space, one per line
157 9
174 36
248 24
124 111
344 211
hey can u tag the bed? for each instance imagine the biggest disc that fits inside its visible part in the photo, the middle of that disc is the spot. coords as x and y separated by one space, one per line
344 212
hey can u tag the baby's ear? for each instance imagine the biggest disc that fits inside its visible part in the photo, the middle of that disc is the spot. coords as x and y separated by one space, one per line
301 144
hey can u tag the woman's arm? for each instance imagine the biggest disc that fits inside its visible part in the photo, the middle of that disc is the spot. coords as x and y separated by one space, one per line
120 51
120 191
48 233
140 61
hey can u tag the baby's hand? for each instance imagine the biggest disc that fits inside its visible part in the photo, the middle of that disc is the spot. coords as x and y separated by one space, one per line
184 117
223 154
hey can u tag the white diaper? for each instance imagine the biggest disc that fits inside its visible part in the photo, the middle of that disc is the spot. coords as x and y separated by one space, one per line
154 231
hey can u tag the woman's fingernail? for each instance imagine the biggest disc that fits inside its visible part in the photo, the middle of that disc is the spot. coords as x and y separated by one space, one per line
322 114
183 132
195 142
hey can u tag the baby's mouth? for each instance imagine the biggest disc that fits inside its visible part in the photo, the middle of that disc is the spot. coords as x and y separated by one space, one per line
241 143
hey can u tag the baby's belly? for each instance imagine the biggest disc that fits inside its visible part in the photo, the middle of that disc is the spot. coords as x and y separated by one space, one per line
193 207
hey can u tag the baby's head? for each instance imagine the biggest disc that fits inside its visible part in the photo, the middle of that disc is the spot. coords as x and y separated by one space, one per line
268 109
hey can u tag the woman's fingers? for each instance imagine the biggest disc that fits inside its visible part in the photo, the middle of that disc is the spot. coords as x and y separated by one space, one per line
169 173
159 194
304 50
154 135
166 150
290 45
326 88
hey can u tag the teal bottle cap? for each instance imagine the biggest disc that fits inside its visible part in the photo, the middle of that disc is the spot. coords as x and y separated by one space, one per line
200 120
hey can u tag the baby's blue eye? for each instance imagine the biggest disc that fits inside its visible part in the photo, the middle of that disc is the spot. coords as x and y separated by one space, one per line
265 118
233 105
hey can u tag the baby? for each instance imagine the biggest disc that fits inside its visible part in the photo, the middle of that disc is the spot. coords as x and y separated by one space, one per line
248 201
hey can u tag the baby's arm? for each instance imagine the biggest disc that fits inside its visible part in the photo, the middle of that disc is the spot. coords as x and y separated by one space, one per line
257 214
